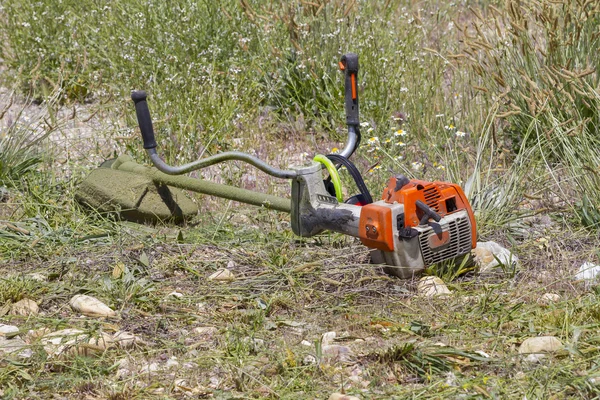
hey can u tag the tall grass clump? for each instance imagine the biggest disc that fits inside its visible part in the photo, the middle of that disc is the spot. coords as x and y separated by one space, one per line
20 140
537 62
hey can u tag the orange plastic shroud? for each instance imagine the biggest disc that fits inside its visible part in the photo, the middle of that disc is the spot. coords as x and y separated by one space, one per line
376 225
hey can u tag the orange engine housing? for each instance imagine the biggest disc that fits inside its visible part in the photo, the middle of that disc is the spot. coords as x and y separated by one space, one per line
443 197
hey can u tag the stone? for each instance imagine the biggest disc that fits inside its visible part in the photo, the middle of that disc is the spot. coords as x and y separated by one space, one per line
309 360
430 286
25 307
328 338
37 276
171 363
8 330
90 306
588 272
72 342
540 344
489 255
340 396
335 353
549 298
12 345
222 275
535 358
150 368
205 330
124 340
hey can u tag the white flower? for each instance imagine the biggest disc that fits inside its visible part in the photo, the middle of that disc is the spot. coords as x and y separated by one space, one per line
403 89
439 115
400 132
460 133
417 165
449 127
373 140
335 150
401 144
370 130
365 124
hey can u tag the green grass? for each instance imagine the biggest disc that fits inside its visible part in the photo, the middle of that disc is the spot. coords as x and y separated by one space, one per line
262 76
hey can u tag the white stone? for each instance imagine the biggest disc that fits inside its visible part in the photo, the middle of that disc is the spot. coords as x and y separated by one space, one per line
91 306
37 276
171 363
482 353
205 330
25 307
430 286
124 340
149 368
11 345
587 272
222 275
328 338
540 344
340 396
489 255
306 343
549 298
8 330
335 353
309 360
535 358
175 294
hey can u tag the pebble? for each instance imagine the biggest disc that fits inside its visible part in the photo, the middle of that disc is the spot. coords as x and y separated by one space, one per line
124 340
171 363
549 298
76 342
149 368
306 343
340 396
8 330
37 276
430 286
222 275
205 330
335 353
540 344
489 255
13 345
91 306
309 360
328 338
25 307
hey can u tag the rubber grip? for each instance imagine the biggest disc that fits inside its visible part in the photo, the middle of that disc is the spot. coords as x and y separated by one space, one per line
428 211
350 63
143 117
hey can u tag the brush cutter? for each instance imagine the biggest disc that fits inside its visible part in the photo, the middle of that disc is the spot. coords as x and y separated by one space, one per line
414 225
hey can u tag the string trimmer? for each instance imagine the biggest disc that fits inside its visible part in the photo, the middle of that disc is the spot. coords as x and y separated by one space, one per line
414 225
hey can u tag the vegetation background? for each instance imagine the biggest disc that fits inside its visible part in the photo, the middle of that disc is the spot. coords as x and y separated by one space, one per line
500 97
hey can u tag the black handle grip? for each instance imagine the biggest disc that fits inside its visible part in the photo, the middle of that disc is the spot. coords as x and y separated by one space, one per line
349 64
143 117
428 211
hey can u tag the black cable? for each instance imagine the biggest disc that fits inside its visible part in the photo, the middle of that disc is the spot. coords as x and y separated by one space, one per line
358 179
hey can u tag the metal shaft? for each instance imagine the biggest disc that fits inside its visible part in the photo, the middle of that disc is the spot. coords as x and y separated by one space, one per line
125 163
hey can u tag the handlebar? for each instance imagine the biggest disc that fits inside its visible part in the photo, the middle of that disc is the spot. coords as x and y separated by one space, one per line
348 64
145 123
